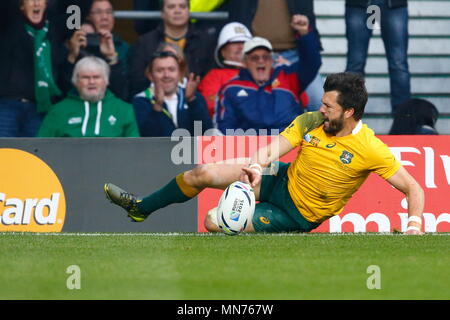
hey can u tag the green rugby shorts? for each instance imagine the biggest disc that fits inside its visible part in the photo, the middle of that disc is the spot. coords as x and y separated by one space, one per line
276 211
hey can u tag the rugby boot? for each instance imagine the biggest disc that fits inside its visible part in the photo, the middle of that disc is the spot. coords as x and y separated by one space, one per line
126 200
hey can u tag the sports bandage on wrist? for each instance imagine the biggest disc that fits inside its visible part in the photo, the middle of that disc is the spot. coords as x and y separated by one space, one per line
256 166
413 228
415 219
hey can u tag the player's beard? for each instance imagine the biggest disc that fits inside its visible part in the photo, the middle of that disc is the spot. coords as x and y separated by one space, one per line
335 125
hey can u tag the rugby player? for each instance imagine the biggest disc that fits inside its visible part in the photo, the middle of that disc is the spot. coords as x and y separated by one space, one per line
337 154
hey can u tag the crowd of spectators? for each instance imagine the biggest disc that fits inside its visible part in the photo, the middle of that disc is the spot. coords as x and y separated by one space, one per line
258 70
264 97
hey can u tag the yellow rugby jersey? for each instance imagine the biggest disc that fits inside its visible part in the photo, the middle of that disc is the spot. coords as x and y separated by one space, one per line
328 170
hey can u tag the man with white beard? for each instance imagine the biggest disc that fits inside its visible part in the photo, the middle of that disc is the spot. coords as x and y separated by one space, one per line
92 111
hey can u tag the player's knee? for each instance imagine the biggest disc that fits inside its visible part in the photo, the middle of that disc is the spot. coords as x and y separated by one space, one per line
202 176
211 221
210 226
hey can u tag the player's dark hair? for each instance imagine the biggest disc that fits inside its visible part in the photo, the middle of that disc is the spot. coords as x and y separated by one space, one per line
352 91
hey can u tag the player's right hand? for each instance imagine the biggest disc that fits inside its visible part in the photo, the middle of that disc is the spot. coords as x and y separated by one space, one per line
251 176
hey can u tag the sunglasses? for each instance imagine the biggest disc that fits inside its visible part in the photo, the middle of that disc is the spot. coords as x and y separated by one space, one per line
256 58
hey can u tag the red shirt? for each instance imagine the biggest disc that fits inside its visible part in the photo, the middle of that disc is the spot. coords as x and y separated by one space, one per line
212 82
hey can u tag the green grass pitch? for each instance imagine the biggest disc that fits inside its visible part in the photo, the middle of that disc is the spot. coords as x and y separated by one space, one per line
204 266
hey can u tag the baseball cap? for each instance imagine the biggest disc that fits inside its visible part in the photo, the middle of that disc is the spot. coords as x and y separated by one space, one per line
257 42
231 32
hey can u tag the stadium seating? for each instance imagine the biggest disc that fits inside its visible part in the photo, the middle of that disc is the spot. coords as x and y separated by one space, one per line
428 55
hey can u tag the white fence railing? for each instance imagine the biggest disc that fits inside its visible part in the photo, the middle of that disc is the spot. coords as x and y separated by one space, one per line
156 15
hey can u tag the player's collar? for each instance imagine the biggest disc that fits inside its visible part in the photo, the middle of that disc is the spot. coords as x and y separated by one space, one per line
358 127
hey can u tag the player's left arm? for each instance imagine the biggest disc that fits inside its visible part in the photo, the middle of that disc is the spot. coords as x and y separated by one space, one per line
415 197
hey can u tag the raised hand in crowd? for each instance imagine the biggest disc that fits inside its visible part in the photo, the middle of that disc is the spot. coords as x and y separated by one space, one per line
280 60
300 23
158 95
76 43
79 41
107 48
191 86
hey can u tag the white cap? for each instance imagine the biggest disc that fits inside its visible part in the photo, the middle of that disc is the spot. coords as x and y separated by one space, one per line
257 42
231 32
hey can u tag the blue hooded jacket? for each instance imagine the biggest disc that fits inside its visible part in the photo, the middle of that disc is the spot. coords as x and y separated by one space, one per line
160 124
243 104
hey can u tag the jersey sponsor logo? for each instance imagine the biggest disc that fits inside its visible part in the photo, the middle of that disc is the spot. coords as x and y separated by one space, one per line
312 139
315 141
239 29
288 129
242 93
331 145
264 220
42 84
112 120
275 83
31 198
75 120
346 157
307 137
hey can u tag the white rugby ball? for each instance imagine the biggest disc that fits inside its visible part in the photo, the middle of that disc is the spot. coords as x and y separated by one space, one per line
236 208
